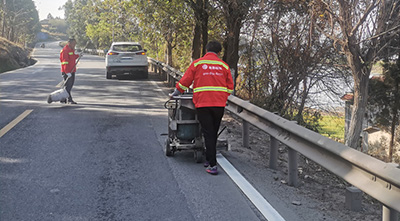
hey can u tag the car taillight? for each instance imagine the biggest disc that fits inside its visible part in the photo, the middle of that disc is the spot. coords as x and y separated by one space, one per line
112 53
141 53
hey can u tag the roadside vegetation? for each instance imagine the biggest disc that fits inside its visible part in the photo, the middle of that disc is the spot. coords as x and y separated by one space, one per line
54 29
19 21
13 56
332 126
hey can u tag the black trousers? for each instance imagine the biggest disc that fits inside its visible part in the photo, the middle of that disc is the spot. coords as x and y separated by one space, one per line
69 84
210 119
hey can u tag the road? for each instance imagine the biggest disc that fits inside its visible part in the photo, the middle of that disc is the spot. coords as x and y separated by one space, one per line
101 159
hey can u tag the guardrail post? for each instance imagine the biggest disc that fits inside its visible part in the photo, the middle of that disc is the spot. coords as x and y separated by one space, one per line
168 78
172 80
245 134
163 74
273 153
292 154
353 197
389 214
166 75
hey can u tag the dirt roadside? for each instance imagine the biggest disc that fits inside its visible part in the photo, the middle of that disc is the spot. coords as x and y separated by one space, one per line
320 195
13 56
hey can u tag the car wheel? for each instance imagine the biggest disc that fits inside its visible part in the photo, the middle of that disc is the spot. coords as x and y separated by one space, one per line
146 74
108 75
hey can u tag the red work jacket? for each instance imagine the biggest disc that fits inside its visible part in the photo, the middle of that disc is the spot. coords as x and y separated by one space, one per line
212 81
68 59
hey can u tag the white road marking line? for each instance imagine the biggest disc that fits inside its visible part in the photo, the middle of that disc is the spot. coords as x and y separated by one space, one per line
12 124
254 196
38 70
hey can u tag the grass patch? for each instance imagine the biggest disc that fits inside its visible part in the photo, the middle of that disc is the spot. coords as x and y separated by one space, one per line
333 127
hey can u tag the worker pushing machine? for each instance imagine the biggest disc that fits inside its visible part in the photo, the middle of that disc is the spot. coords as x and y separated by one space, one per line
212 84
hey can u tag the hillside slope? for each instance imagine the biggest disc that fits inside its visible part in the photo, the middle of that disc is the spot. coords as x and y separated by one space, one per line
13 56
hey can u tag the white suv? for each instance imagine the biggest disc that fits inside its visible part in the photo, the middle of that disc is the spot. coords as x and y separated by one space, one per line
126 58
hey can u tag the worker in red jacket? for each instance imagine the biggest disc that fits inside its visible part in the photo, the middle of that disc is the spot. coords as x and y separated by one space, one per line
212 84
68 66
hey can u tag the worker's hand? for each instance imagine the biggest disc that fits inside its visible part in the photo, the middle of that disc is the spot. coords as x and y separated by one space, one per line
175 93
68 75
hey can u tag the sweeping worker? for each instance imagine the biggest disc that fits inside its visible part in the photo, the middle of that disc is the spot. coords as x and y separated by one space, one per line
212 84
68 66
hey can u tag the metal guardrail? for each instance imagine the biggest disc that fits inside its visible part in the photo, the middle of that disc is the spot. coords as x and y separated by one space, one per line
378 179
95 51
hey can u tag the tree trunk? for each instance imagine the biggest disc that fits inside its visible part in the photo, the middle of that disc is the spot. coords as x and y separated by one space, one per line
361 74
3 31
231 45
395 118
234 12
196 45
304 94
169 48
200 31
204 26
392 134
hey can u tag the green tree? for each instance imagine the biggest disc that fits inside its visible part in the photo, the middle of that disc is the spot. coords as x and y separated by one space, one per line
20 21
57 25
384 102
76 18
109 21
49 16
171 20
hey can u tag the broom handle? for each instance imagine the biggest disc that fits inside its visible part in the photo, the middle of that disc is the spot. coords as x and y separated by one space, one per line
79 58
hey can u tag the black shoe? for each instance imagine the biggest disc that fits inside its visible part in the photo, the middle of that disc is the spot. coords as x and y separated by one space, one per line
72 102
63 101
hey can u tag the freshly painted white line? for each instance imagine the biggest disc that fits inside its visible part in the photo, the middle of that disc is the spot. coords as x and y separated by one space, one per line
37 70
254 196
14 122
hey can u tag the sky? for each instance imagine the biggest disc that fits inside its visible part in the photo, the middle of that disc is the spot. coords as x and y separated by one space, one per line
49 6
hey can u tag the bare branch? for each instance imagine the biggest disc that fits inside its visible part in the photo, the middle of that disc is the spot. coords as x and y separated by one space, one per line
362 20
381 34
334 38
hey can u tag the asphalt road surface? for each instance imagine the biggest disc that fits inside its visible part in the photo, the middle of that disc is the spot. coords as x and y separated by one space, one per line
103 158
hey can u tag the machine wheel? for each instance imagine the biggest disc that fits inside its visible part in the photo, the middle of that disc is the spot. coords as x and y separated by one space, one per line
198 156
168 149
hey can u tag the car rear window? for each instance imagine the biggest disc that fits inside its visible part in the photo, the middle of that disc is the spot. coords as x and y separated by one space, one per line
127 48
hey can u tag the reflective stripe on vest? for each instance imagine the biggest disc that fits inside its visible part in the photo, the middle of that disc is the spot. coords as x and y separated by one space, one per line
65 62
182 87
71 53
211 62
211 88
